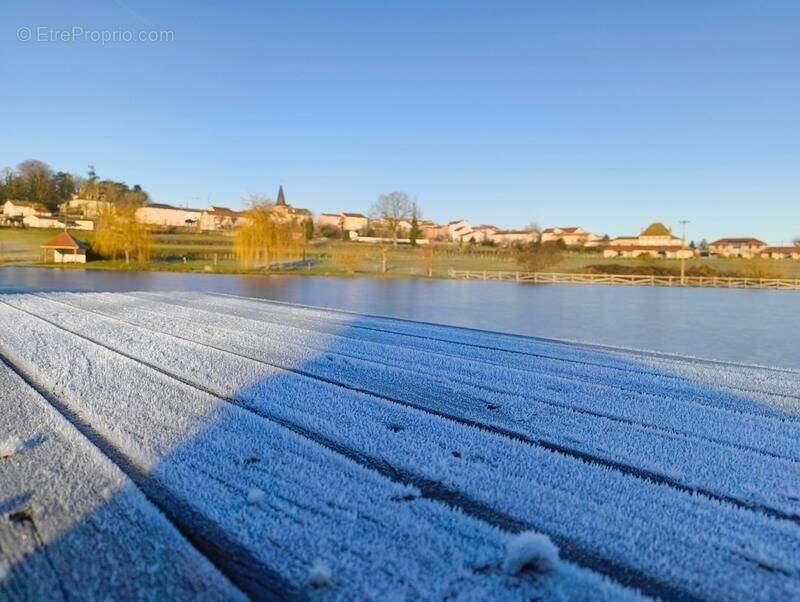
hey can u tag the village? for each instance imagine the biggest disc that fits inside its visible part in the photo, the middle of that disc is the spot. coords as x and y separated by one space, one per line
654 241
400 301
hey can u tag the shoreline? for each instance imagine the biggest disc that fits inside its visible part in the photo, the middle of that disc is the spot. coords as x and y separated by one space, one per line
516 277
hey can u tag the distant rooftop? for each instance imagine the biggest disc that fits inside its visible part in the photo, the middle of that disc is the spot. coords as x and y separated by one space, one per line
65 240
165 206
656 229
738 241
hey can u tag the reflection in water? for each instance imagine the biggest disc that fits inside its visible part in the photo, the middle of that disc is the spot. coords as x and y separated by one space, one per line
737 325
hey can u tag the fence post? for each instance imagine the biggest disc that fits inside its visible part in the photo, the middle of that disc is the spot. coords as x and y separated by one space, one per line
484 274
517 276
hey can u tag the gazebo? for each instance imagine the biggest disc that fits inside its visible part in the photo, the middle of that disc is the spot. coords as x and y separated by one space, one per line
65 248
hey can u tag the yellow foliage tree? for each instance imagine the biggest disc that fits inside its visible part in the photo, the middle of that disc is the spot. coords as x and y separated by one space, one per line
119 232
347 257
265 237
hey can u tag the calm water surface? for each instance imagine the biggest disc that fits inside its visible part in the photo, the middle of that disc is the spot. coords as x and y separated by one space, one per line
750 326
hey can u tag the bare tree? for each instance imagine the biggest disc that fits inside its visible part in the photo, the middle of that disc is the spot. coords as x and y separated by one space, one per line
394 208
796 241
37 178
426 259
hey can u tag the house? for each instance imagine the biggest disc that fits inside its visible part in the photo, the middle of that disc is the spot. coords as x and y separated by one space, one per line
745 247
484 232
384 228
64 249
159 214
656 241
509 237
573 236
219 218
49 221
36 215
347 222
13 211
330 219
781 253
354 222
89 208
433 231
459 230
593 241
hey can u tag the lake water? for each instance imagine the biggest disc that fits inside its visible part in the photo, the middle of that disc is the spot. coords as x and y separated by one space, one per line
752 326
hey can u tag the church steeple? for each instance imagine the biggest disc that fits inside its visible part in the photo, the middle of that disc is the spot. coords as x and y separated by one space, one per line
281 199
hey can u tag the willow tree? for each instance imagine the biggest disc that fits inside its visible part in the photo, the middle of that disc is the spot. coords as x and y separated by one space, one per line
265 236
119 232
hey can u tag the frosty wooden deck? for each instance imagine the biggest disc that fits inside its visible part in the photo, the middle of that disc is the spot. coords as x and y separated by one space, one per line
402 455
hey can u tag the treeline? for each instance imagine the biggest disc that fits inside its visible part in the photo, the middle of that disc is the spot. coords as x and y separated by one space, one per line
35 181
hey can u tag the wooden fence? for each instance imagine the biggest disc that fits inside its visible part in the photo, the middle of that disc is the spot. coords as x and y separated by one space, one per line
628 279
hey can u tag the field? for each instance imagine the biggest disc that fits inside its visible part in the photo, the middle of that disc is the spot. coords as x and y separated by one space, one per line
208 252
213 446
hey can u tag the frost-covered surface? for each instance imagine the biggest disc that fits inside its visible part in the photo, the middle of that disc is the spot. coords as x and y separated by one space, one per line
530 551
401 453
320 574
10 446
383 540
72 526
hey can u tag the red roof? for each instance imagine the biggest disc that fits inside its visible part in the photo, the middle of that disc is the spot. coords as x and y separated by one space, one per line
63 241
738 241
223 211
781 250
647 248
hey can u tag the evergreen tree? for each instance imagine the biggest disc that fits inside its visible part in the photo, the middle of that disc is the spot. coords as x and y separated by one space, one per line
415 231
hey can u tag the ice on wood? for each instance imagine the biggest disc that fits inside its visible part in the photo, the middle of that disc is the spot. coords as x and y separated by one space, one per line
530 550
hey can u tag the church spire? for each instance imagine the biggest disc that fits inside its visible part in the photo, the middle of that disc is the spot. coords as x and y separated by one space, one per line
281 199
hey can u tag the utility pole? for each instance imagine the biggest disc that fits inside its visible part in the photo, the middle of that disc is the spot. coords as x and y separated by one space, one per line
683 223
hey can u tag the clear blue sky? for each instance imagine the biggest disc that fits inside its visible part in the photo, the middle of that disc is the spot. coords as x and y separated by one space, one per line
604 114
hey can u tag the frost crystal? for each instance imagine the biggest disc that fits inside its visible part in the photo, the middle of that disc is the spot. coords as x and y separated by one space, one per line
320 574
530 550
10 446
255 496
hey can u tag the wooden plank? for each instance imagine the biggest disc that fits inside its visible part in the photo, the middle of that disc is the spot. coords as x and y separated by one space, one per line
73 526
433 383
179 354
200 458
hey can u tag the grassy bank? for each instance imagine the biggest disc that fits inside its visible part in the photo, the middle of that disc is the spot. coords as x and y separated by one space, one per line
199 252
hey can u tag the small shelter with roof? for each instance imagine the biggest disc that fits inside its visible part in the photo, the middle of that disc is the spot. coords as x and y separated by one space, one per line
64 248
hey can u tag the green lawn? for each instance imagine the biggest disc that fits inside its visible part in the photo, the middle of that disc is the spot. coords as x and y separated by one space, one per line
214 253
22 244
